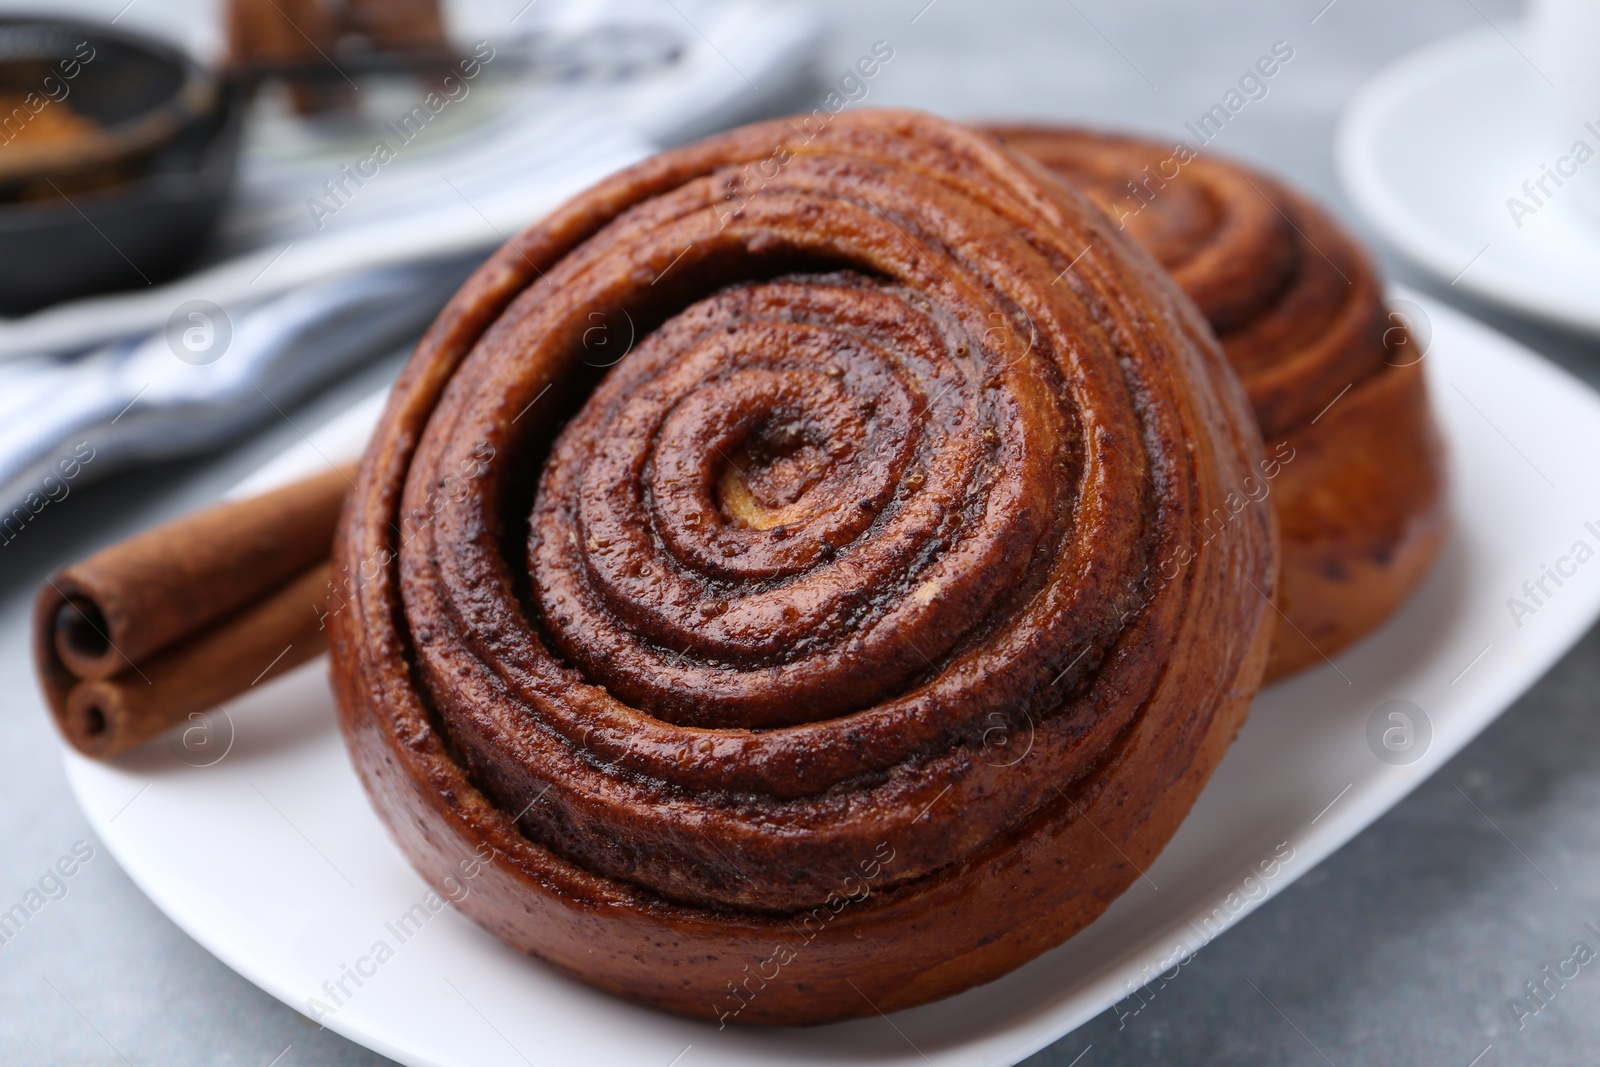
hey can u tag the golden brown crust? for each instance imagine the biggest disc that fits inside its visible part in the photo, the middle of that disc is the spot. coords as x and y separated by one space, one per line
1352 555
852 640
1298 309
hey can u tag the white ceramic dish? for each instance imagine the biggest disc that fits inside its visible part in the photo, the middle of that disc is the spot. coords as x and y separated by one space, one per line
254 836
1431 150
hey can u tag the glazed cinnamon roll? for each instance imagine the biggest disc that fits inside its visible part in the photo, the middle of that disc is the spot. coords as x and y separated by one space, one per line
1334 378
850 640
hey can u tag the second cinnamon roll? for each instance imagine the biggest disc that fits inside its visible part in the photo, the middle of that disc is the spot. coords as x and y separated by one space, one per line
1335 379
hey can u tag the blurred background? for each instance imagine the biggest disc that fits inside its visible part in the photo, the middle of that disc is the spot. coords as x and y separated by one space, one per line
205 253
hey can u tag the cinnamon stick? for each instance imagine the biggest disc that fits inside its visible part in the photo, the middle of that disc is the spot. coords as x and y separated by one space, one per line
104 717
175 620
140 595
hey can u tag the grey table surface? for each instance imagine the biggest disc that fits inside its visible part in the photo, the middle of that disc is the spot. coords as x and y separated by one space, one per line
1403 948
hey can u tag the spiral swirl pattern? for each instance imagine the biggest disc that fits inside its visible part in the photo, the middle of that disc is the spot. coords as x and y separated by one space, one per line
878 549
1335 379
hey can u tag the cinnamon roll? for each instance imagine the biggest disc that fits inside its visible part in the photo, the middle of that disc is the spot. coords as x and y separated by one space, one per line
1335 379
850 640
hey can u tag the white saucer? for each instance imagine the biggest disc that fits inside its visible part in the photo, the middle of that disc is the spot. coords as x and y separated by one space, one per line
258 841
1431 149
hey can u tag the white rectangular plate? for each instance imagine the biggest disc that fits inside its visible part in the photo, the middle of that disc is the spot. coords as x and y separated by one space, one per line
251 832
